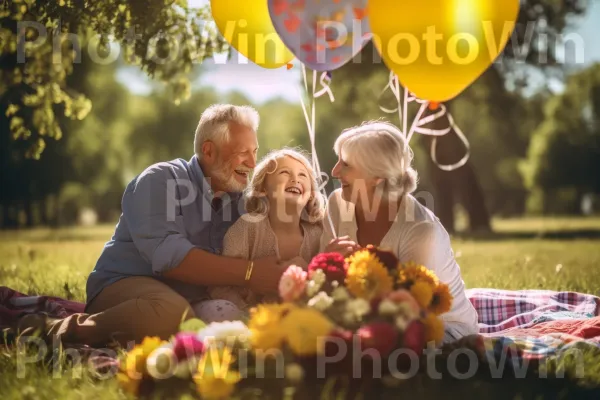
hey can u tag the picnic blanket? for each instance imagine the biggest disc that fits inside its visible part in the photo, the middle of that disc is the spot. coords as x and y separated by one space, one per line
14 305
533 325
501 311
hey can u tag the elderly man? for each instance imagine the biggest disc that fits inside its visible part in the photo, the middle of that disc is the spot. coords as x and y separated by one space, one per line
166 246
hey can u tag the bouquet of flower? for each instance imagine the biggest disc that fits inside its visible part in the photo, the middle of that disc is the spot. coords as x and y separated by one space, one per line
330 316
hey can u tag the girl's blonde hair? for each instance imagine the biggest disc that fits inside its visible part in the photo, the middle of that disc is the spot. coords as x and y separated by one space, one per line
255 198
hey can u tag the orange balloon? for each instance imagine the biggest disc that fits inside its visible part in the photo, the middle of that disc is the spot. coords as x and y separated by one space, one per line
437 48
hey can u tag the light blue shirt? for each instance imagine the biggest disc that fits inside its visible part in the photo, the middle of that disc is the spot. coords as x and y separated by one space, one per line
166 211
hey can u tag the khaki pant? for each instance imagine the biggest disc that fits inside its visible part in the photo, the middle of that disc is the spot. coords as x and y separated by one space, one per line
126 311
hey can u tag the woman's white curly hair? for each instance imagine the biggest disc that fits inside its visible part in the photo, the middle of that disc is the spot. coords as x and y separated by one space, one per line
380 150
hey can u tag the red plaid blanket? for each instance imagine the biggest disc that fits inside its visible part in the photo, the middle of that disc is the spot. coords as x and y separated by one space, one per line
498 310
503 310
14 305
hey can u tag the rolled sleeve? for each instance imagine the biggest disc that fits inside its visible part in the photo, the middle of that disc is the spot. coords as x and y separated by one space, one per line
156 230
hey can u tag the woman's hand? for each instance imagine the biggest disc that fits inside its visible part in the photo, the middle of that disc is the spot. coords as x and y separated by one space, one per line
342 245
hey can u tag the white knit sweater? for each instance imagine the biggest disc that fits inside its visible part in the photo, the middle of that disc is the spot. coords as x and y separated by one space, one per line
251 237
415 235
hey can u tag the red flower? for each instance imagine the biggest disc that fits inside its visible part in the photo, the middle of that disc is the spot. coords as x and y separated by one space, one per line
381 336
387 258
186 345
339 344
333 265
414 337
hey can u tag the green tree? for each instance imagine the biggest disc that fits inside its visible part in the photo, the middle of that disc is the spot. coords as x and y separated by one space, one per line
564 155
539 22
40 42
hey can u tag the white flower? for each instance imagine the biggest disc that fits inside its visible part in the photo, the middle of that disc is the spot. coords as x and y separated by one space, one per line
161 362
559 267
407 311
186 368
401 322
340 294
318 276
387 307
227 331
359 307
321 301
312 288
294 372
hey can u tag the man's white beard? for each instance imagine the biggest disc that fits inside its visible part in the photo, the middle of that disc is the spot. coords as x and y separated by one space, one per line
225 175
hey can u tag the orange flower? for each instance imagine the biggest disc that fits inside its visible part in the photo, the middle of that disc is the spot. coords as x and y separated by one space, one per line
423 293
442 300
434 328
410 273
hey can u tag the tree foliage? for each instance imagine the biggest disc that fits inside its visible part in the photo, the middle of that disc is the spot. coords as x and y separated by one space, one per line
564 155
42 41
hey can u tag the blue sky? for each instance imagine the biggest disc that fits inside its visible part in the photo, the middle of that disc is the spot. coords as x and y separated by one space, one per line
261 84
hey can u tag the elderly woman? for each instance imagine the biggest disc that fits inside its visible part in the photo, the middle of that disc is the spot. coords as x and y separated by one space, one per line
375 206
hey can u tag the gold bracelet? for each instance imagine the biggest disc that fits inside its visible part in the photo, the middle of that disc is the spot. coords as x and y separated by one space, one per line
249 270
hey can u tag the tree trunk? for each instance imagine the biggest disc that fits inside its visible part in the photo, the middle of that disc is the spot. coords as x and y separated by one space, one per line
443 196
458 185
44 218
11 220
28 207
470 192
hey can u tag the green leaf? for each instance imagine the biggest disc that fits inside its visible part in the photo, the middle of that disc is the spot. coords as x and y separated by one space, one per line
192 325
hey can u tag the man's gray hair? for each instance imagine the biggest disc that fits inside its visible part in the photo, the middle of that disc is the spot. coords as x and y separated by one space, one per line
215 120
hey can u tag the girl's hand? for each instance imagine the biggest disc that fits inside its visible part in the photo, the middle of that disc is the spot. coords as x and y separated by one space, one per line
342 245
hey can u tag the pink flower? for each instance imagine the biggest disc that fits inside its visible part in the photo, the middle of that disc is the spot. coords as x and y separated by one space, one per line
292 283
186 345
404 296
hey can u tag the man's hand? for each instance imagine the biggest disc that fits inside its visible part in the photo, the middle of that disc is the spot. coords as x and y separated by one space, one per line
342 245
266 274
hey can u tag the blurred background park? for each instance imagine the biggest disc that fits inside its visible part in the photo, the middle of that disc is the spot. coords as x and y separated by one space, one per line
77 126
78 131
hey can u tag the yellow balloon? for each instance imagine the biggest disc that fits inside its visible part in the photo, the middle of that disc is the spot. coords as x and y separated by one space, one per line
437 48
246 25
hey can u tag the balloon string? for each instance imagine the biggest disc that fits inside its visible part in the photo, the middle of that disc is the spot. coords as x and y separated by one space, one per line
322 177
417 125
415 122
462 138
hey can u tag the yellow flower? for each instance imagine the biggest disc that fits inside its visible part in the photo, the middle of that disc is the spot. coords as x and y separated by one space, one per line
305 329
367 277
135 361
434 328
442 300
129 385
216 379
264 325
410 273
422 292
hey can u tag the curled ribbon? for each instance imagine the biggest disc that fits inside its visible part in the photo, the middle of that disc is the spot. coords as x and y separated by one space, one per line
324 81
417 125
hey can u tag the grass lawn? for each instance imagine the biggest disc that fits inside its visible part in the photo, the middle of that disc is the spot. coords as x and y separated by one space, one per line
555 254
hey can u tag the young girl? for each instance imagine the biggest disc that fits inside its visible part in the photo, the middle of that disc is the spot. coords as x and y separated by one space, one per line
284 218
